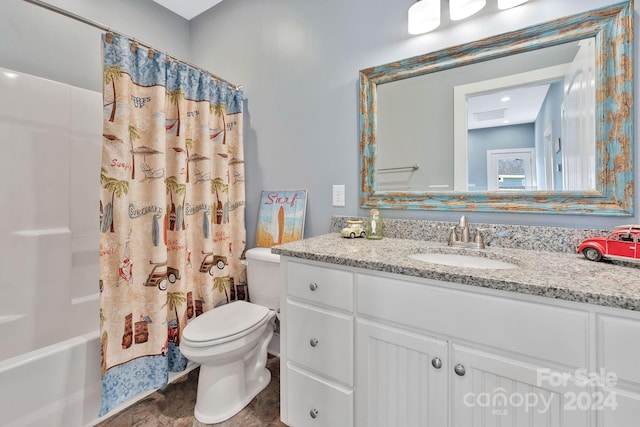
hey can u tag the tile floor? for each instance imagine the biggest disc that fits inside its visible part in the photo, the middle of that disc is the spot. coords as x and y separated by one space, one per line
173 406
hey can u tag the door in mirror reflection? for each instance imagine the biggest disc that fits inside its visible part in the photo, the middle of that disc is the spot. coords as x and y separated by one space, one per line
578 143
510 170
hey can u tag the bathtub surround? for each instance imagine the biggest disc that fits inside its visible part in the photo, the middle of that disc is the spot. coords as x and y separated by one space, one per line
171 211
529 237
49 252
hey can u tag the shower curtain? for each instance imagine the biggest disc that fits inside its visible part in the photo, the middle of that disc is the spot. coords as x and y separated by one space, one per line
171 211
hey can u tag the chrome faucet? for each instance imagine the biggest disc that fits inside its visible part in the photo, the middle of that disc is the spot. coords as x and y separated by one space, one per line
464 239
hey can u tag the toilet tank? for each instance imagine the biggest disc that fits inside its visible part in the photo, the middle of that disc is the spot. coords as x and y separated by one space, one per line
263 277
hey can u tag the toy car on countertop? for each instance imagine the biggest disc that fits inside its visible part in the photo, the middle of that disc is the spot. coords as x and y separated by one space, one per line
622 244
354 228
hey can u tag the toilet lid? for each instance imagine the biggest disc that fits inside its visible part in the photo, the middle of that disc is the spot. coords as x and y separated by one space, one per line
224 321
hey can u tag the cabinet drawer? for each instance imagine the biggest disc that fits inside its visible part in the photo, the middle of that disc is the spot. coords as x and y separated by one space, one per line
311 397
320 285
321 341
548 332
619 347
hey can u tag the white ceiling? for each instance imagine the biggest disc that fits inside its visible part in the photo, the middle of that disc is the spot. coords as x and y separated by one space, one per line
490 110
188 9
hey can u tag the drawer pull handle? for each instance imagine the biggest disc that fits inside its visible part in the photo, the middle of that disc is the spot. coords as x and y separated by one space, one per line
459 370
313 286
313 342
313 413
436 362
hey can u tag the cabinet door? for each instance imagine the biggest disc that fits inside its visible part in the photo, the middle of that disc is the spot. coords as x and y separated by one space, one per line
490 390
617 407
398 386
617 368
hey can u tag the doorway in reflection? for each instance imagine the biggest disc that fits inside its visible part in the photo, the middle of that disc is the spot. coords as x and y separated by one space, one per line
510 170
555 117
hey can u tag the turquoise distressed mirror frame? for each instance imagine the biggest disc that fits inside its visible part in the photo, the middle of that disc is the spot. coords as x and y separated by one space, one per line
612 27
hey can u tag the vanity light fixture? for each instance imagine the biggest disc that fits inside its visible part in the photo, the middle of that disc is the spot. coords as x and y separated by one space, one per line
460 9
508 4
424 16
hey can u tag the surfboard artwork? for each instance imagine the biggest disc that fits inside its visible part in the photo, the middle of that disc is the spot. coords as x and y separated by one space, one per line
281 217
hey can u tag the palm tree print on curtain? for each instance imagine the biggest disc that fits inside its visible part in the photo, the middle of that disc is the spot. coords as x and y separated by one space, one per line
219 187
164 257
117 188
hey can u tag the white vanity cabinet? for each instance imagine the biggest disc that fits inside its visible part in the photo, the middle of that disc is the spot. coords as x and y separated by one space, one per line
618 355
490 346
317 345
437 354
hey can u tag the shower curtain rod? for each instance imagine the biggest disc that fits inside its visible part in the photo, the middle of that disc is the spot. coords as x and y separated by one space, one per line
95 24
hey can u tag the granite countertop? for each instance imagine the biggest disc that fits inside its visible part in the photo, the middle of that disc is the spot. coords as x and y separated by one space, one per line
549 274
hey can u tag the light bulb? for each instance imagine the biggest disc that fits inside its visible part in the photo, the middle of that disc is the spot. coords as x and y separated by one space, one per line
460 9
424 16
508 4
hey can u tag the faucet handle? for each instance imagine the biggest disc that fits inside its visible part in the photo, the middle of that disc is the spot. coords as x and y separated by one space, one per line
453 236
478 239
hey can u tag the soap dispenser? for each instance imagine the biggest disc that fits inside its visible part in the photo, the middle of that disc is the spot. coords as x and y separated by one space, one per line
375 226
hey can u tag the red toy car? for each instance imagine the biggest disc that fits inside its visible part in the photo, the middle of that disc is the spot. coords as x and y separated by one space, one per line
622 244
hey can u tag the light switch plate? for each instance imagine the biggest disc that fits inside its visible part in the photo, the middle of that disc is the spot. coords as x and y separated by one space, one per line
338 195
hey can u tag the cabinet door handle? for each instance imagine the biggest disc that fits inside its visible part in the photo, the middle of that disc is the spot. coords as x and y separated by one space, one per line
313 286
313 413
459 370
313 342
436 362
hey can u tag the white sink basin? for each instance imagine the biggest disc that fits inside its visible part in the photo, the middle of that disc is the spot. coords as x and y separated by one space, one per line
465 261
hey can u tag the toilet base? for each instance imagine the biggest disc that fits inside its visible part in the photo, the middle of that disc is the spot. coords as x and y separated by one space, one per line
232 373
211 412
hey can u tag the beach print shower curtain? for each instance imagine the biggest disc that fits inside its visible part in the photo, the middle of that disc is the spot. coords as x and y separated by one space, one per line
171 211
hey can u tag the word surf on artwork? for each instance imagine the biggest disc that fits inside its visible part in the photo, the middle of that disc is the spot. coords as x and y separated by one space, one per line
281 217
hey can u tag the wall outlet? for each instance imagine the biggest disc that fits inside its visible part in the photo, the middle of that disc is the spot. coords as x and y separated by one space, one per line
338 195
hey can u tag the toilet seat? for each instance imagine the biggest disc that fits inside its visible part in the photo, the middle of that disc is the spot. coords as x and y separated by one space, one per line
225 323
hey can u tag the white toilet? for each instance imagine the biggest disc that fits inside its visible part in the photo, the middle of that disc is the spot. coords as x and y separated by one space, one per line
230 343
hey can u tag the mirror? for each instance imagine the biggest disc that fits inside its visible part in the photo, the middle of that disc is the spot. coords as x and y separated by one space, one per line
540 94
426 152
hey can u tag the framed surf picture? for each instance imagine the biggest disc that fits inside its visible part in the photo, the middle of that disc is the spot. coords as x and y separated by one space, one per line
281 217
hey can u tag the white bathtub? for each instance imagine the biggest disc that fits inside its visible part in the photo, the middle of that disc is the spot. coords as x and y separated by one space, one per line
58 385
49 254
50 361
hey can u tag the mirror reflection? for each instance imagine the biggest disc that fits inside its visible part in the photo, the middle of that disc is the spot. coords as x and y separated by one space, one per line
524 122
414 156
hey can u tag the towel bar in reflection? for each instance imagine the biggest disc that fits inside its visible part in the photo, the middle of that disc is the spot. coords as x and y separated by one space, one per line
400 168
